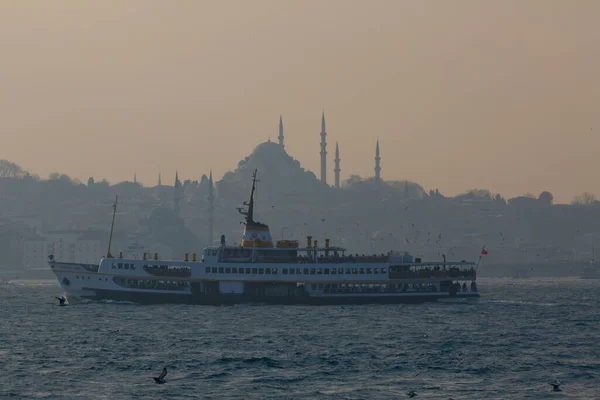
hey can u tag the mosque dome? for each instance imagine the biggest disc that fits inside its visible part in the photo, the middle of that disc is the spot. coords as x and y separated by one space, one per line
162 216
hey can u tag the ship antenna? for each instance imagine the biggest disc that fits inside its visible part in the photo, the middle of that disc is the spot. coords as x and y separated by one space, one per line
249 213
108 255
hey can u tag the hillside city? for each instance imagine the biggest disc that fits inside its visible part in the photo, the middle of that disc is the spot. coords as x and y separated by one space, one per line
72 219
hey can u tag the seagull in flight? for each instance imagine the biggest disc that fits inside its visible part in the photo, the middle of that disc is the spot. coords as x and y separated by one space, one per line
161 377
556 387
62 301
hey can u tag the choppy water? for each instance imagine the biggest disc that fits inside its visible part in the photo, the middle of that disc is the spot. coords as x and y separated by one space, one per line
521 335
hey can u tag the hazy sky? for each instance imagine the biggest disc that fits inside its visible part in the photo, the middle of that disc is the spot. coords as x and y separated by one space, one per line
502 94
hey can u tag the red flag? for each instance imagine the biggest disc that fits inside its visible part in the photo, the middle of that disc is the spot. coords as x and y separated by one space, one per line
484 252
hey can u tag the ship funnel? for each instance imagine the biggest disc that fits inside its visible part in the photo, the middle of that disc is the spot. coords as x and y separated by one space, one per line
326 243
308 242
316 244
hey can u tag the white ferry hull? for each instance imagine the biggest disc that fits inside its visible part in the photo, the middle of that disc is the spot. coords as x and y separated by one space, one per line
80 281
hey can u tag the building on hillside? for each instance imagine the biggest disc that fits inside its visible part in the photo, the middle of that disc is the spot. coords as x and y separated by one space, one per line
77 246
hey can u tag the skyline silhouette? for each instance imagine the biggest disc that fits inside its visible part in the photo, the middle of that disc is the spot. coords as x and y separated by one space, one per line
501 96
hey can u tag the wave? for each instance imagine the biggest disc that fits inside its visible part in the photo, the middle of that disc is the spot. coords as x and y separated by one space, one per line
516 302
103 301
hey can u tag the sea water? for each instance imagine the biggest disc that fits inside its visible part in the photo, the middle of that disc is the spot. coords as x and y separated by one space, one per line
516 339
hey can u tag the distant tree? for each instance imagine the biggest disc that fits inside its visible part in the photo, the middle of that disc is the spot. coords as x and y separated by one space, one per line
62 177
476 194
585 199
10 169
90 181
546 198
499 199
352 180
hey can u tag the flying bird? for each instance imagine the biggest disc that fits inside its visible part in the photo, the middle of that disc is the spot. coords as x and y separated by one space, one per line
556 387
161 377
62 301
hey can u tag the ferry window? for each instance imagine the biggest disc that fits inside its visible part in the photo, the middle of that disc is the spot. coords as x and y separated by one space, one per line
362 271
274 271
220 270
208 270
267 270
305 272
247 270
284 271
347 271
234 270
120 265
319 271
376 270
126 266
227 270
313 286
383 270
320 286
255 270
132 266
326 271
114 266
261 271
369 271
312 271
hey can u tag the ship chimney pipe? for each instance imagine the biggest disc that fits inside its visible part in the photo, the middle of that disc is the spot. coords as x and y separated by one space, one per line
194 257
316 244
156 256
145 255
186 257
120 254
326 243
308 241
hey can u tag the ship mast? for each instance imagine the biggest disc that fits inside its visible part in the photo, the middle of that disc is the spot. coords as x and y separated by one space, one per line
108 255
249 213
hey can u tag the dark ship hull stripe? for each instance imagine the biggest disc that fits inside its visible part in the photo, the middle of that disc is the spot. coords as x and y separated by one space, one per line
231 299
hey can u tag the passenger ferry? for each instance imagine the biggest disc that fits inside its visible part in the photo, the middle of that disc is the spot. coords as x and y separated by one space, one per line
259 272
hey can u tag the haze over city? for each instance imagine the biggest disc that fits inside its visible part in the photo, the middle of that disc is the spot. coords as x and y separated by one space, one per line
502 96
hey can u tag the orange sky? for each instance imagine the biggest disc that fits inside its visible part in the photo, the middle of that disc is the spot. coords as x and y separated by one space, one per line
501 95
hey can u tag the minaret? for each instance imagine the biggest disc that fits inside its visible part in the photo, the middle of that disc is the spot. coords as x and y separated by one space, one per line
337 166
323 150
134 177
177 194
377 163
159 182
211 211
280 137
